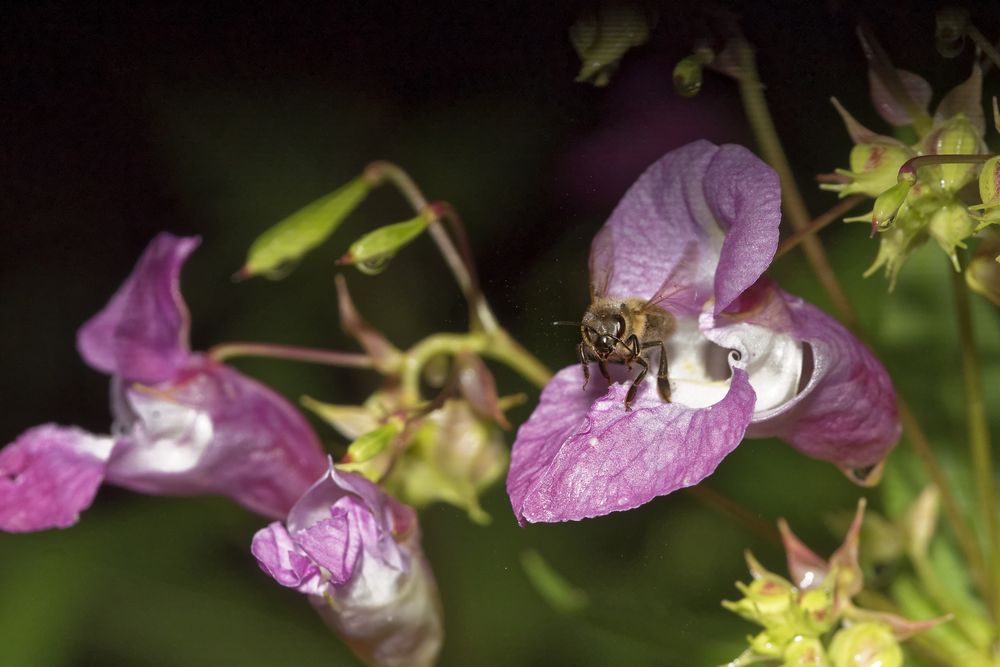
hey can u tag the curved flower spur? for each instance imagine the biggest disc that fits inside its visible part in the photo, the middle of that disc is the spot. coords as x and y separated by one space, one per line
184 423
693 237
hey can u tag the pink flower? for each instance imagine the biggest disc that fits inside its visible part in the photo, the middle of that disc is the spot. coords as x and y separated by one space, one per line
183 423
355 552
694 235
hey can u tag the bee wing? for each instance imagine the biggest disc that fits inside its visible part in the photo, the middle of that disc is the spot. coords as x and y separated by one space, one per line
680 292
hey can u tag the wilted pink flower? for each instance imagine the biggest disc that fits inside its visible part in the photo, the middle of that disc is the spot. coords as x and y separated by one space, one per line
355 552
183 423
694 235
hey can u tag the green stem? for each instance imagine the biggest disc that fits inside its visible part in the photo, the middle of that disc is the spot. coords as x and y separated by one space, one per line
755 106
819 223
984 44
459 263
979 435
225 351
496 345
966 539
969 621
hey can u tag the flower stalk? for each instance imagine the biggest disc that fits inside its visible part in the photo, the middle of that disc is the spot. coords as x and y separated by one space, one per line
979 436
224 351
762 124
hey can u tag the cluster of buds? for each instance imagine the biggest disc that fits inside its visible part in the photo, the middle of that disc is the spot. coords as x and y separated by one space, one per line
813 621
917 186
449 449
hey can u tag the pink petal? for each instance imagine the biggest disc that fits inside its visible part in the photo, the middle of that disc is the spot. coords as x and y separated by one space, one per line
696 208
893 111
846 412
278 555
213 430
142 333
572 460
806 568
48 476
335 543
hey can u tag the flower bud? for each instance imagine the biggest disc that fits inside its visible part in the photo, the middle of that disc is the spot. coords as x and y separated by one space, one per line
601 37
956 137
874 169
817 609
454 456
866 645
983 273
949 33
767 601
950 225
688 77
989 193
372 252
770 644
805 652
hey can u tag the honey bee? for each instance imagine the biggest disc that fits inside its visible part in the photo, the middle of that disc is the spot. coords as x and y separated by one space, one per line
621 331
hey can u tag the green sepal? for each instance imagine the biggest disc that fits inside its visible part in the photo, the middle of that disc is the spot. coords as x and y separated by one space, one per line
276 251
372 252
374 442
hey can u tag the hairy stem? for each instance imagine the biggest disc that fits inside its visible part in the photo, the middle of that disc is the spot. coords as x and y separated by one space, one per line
755 106
225 351
979 435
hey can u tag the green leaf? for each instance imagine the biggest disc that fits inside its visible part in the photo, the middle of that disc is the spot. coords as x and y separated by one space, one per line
276 251
372 252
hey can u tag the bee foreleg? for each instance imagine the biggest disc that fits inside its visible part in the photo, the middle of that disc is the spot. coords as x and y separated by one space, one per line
630 396
662 376
585 362
632 346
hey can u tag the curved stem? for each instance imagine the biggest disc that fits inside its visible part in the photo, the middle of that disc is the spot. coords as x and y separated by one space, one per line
460 264
818 224
908 170
225 351
755 105
979 435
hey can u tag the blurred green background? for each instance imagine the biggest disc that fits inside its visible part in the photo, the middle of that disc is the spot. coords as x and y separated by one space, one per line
123 120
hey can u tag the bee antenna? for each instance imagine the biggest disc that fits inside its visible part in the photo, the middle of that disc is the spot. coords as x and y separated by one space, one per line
570 324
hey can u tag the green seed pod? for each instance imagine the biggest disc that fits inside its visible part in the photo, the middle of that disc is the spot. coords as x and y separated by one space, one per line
888 203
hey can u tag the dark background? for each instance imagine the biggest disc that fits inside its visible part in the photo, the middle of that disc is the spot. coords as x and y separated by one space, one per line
120 121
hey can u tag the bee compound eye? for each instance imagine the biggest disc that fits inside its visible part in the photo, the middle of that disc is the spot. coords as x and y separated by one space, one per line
619 325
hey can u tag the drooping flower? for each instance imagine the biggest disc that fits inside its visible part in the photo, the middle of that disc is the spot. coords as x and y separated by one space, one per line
355 552
694 236
183 423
